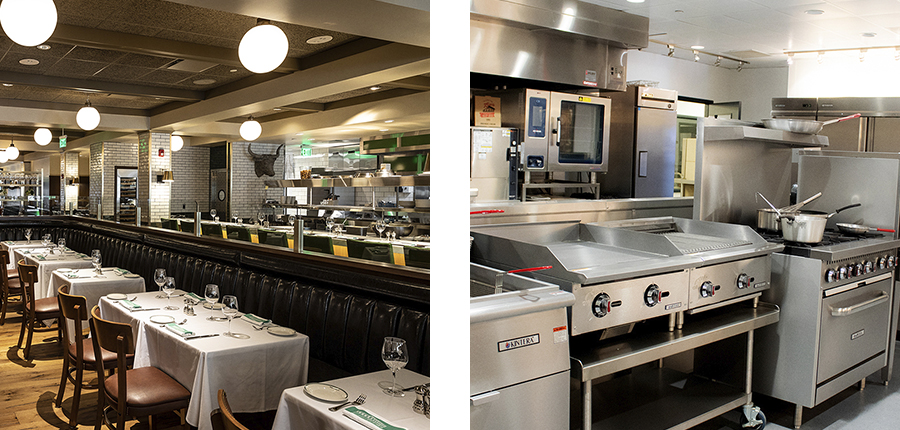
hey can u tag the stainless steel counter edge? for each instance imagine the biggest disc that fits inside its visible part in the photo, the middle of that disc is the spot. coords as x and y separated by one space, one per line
586 211
514 303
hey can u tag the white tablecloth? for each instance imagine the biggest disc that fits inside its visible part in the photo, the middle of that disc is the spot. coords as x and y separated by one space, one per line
11 245
296 410
69 260
85 284
252 371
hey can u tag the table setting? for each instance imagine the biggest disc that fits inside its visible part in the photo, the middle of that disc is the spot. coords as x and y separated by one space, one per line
48 260
92 285
12 245
208 348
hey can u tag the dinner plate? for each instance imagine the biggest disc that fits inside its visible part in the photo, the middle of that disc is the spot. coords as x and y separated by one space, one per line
162 319
64 270
116 296
132 275
281 331
214 306
325 392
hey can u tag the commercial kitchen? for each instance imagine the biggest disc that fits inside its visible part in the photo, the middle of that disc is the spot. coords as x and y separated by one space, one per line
683 215
254 175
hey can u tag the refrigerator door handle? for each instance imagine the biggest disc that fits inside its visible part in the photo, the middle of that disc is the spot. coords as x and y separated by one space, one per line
558 128
642 163
481 399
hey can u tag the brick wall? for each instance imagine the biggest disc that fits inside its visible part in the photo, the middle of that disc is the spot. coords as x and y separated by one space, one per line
68 167
96 174
248 192
153 197
190 166
115 154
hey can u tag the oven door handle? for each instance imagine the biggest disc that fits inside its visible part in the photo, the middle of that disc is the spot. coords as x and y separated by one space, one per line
850 310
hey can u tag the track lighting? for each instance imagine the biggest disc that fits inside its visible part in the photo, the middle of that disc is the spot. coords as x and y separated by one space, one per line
718 61
696 56
740 66
671 51
790 59
862 55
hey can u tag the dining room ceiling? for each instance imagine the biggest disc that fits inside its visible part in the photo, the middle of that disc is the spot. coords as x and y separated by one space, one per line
760 31
172 66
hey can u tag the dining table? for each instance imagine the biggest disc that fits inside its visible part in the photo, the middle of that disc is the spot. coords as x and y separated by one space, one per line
299 410
92 285
253 370
12 245
48 262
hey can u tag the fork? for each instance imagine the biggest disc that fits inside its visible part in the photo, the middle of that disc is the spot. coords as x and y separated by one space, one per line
359 400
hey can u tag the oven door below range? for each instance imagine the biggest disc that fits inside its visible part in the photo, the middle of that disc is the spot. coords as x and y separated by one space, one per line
855 323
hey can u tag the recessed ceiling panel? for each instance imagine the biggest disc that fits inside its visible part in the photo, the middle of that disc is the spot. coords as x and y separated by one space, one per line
74 68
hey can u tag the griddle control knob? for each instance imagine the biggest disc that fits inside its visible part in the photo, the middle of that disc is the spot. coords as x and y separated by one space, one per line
707 289
743 281
843 273
868 267
850 271
882 263
858 269
653 296
890 262
830 275
601 305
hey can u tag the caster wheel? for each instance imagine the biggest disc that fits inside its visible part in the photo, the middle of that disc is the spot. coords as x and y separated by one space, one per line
760 416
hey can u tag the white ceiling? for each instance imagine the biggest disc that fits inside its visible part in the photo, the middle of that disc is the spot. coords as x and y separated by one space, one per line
734 27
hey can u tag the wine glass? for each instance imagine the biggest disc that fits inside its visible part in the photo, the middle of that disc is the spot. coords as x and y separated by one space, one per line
61 243
394 354
212 213
46 240
211 295
96 260
261 218
329 224
28 235
380 226
169 288
159 277
230 310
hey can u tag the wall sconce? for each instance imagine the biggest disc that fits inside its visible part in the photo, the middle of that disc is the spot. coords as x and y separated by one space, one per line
73 181
166 177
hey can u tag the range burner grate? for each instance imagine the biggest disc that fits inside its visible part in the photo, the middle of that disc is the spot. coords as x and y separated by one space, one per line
830 237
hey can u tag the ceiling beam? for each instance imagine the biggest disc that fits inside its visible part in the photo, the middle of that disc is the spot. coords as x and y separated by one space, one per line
421 83
383 64
93 86
103 136
134 43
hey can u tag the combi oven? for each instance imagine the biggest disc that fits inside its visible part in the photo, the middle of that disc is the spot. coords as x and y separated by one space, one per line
560 131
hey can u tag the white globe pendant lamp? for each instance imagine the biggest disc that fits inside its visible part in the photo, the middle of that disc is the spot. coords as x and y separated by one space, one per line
177 142
250 129
43 136
263 48
87 117
3 157
28 22
12 152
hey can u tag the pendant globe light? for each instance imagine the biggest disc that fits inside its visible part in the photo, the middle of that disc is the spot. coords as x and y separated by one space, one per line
28 22
263 48
176 142
250 129
87 118
43 136
3 157
12 152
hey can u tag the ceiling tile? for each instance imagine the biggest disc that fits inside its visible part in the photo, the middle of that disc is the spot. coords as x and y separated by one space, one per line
162 76
74 68
10 62
120 73
799 12
92 54
141 60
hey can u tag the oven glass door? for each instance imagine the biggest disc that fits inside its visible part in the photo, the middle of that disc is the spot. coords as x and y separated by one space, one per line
854 328
582 132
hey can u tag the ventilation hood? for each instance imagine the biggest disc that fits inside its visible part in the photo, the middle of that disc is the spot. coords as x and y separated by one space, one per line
557 41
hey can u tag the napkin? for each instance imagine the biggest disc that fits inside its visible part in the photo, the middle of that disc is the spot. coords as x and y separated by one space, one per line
255 320
195 297
121 271
368 419
73 275
128 304
179 330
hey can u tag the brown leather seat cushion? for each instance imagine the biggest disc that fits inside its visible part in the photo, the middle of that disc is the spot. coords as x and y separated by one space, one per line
150 391
12 273
15 288
48 305
107 356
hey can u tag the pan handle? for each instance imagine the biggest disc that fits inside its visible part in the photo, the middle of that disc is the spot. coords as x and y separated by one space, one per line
886 230
530 269
843 209
856 115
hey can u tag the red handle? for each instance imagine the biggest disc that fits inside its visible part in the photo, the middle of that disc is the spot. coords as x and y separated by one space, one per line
492 211
885 230
530 269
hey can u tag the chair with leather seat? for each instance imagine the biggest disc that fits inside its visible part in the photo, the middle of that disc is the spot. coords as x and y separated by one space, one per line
36 310
170 224
238 233
272 237
186 226
145 391
223 418
370 251
9 287
318 244
78 354
214 230
417 257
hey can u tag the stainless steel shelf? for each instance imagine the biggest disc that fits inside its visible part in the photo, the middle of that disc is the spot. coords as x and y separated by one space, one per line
400 150
18 185
560 185
353 208
713 133
389 181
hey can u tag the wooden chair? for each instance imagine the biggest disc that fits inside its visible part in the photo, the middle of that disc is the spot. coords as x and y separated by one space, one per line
238 233
417 257
223 418
36 311
370 251
78 354
8 286
214 230
145 391
318 244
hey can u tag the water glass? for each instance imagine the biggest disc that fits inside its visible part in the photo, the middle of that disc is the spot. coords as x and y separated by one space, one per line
61 243
211 294
28 235
96 260
395 357
169 288
230 310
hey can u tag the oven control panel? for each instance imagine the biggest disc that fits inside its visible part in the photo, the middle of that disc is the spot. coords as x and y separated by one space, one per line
855 267
726 281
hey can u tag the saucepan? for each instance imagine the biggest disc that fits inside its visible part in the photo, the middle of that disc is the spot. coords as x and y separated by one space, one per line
803 126
807 227
767 218
857 229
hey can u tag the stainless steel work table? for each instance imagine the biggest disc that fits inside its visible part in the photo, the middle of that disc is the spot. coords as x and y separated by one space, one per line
682 400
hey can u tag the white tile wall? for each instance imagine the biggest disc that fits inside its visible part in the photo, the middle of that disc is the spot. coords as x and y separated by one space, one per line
153 197
115 154
248 192
190 166
96 172
68 166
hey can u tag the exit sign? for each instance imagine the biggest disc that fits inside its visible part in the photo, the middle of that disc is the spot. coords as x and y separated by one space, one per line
305 152
62 141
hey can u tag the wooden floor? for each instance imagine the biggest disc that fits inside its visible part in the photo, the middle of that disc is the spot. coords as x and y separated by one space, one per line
28 388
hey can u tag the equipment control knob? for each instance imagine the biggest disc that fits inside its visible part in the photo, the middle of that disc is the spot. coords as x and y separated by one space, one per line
850 273
707 289
891 261
652 295
601 307
868 267
743 281
858 269
843 273
830 275
882 263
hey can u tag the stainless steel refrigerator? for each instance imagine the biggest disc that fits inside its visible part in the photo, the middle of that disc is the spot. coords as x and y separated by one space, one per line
494 163
641 144
878 130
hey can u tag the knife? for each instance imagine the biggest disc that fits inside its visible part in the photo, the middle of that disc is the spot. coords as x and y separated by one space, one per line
201 335
144 309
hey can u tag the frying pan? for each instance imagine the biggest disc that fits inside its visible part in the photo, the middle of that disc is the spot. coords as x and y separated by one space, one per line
803 126
859 229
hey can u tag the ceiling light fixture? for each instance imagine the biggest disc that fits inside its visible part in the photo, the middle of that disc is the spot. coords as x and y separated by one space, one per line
250 129
43 136
718 61
671 51
820 57
263 48
176 142
28 22
862 55
375 88
7 85
389 121
44 47
88 118
318 40
12 152
814 12
696 56
29 62
868 34
3 157
897 54
740 66
698 47
790 59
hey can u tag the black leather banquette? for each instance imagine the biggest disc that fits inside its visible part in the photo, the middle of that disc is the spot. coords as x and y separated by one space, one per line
345 313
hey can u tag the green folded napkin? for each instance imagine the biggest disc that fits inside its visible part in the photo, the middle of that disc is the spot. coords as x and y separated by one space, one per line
179 330
368 419
195 297
253 319
128 304
71 275
121 271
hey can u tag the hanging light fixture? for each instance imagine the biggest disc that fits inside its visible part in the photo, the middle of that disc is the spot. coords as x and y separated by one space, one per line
43 136
12 152
88 118
820 57
177 143
740 66
263 48
3 157
250 129
671 51
790 59
28 22
696 56
862 54
718 61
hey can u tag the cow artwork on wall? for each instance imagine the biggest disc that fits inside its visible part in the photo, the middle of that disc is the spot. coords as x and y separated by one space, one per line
264 164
